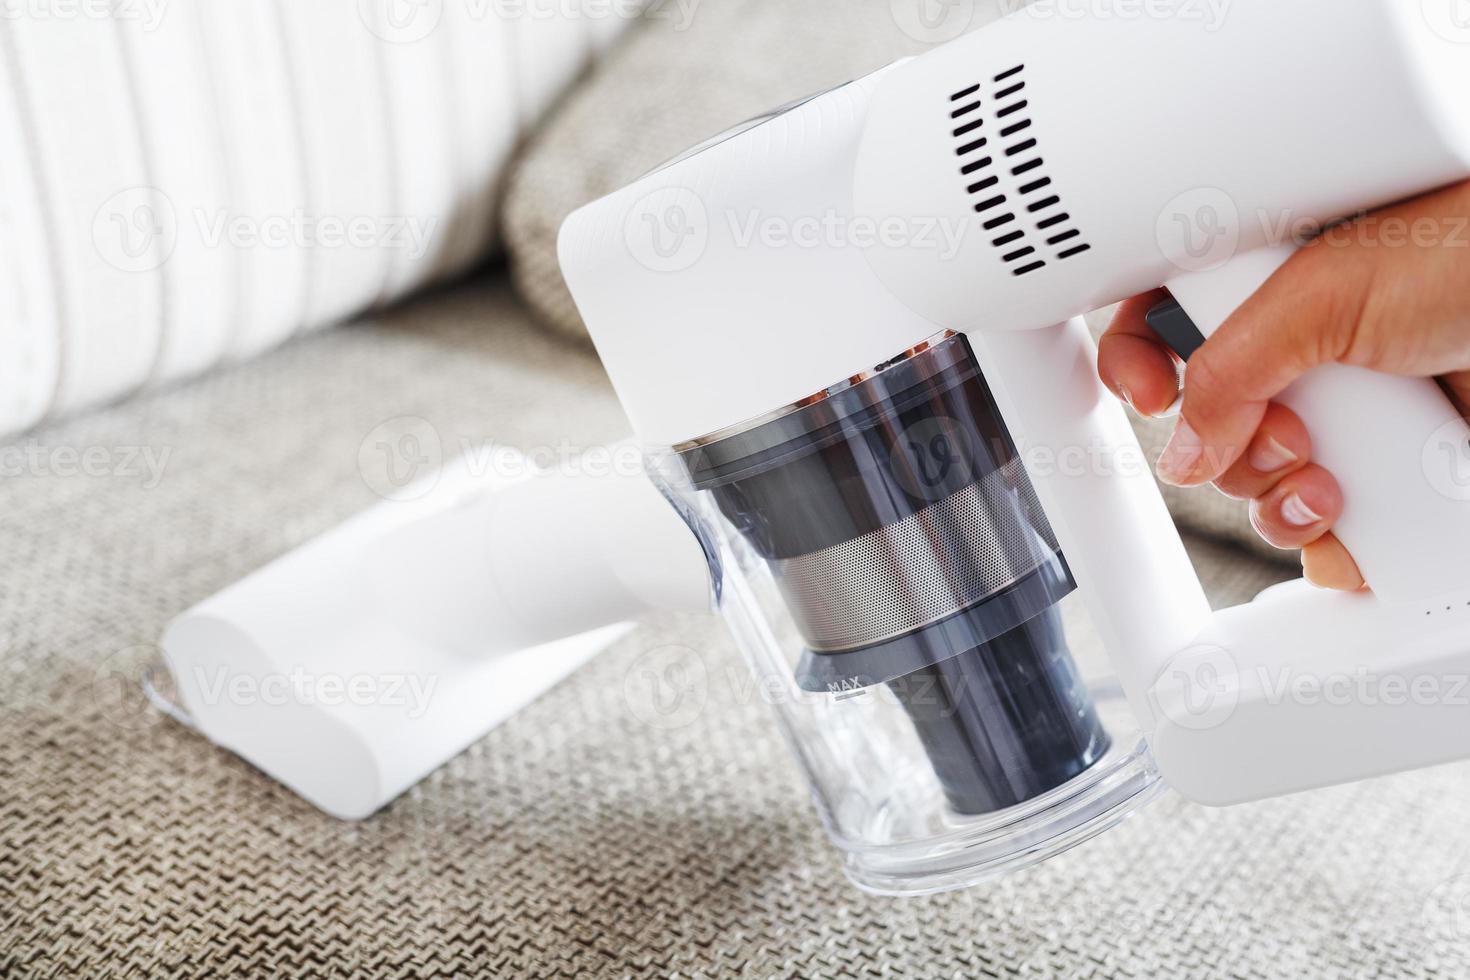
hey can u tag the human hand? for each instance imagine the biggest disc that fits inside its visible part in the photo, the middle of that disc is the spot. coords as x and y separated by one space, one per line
1390 292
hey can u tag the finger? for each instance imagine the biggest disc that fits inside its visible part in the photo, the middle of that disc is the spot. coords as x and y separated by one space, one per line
1457 386
1299 509
1327 564
1280 447
1302 317
1132 361
1385 292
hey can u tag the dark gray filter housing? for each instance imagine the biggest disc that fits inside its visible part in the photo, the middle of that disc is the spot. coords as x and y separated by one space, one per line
907 541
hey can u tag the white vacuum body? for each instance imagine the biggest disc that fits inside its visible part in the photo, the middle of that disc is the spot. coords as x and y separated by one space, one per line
846 335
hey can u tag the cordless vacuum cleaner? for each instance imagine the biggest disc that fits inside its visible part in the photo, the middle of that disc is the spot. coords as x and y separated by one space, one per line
846 336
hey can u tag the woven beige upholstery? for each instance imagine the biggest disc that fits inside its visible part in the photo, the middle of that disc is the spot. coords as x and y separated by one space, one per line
591 836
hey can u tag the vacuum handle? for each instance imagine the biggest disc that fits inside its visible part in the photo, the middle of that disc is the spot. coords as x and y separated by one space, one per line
1397 446
1308 687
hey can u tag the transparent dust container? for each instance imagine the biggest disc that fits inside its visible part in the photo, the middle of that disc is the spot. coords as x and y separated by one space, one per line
882 558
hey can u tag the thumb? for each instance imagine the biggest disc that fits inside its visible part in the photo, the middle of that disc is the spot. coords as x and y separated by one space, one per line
1305 315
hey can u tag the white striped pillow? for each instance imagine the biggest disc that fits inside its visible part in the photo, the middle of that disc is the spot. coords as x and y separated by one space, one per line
188 181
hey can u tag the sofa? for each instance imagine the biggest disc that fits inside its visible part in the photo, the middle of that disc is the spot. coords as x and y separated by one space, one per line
580 838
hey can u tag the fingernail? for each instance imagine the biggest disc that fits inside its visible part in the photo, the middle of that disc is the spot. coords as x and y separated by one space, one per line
1294 511
1181 454
1126 396
1268 455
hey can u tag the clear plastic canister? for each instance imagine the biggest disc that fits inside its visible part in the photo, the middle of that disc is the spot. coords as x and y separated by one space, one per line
882 558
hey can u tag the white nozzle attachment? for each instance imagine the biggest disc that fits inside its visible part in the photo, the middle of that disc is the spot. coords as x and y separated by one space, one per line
360 662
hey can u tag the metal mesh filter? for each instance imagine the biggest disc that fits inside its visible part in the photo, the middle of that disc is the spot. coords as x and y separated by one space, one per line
935 562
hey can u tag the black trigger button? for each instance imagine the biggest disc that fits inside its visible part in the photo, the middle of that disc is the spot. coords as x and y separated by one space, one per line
1175 328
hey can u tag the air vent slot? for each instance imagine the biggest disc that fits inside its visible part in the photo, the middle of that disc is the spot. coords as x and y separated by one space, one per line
1017 192
969 127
